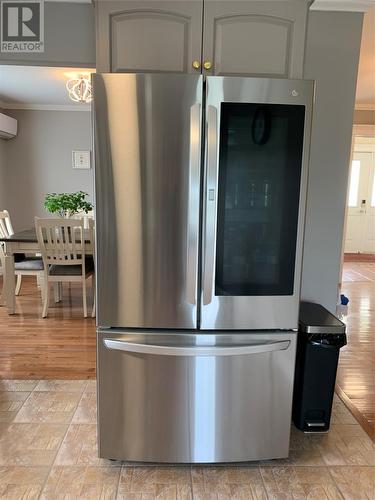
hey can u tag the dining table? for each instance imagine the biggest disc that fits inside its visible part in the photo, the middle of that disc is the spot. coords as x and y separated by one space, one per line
23 242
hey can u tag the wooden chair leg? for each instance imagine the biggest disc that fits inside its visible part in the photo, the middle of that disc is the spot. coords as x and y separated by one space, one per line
46 298
19 283
2 299
93 312
41 285
84 296
57 291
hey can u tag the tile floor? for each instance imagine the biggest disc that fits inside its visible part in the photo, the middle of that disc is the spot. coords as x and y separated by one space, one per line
48 451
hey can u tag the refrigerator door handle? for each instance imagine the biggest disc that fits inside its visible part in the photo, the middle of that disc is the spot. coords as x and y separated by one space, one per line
193 204
171 350
211 204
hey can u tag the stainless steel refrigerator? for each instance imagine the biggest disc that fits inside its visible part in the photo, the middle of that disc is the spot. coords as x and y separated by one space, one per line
200 200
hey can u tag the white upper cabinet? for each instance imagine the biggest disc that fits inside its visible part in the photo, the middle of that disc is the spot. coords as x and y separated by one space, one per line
216 37
149 35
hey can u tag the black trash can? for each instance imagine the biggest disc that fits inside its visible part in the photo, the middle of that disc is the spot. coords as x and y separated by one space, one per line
320 337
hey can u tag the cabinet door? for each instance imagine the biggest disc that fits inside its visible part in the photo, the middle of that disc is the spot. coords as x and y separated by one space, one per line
145 36
260 38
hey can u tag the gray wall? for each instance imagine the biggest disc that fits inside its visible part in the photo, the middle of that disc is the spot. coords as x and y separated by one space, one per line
69 38
3 169
39 160
332 54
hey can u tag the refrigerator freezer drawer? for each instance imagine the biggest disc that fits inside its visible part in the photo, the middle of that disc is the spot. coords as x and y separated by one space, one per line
166 397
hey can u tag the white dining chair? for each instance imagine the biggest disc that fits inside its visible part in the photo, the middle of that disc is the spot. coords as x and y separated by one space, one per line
24 266
62 245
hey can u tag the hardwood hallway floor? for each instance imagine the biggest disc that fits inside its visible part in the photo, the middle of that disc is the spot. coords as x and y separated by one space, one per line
62 346
355 382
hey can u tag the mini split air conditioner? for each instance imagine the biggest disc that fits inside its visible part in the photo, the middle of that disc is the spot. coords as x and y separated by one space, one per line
8 127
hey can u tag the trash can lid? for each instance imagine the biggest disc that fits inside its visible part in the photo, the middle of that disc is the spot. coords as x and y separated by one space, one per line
314 318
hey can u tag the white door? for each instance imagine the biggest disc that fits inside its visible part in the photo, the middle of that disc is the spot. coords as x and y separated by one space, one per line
360 228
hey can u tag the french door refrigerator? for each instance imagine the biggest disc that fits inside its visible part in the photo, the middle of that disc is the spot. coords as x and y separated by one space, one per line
200 188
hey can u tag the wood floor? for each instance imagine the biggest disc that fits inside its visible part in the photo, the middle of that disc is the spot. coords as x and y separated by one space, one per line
356 374
62 346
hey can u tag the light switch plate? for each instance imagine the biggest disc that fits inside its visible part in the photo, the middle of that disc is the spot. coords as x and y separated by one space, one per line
81 160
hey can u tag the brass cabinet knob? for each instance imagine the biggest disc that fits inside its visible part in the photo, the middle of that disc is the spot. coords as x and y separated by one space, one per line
196 64
207 64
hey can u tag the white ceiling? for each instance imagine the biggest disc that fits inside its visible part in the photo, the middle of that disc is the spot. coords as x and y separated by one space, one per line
365 97
37 86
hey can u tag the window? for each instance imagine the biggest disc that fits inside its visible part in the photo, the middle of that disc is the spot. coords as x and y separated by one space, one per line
354 183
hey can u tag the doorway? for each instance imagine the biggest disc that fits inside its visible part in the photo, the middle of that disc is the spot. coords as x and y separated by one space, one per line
360 224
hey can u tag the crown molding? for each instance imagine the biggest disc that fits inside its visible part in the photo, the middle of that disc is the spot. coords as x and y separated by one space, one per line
365 107
3 105
343 5
46 107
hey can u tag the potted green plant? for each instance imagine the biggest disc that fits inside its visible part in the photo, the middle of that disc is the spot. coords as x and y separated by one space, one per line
67 204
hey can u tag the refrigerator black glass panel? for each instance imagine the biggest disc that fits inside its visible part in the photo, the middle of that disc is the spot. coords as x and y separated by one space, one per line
260 164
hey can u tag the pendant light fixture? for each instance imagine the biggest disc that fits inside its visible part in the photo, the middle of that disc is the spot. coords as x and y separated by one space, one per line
79 89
